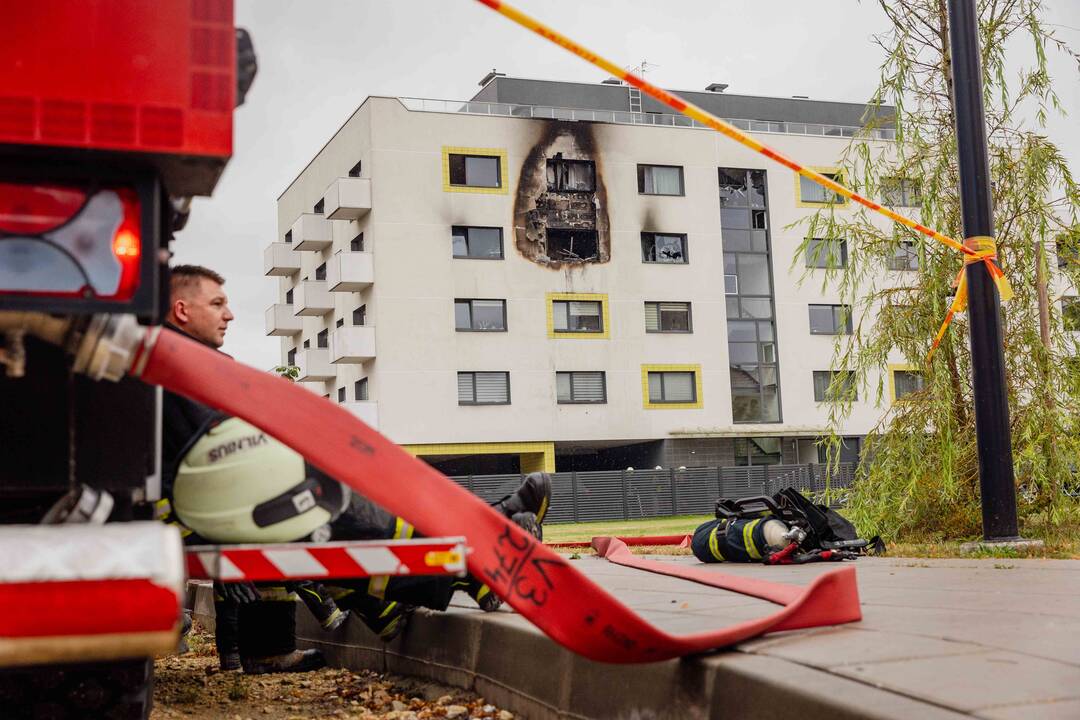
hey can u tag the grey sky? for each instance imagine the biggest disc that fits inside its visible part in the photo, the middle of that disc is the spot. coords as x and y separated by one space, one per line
319 59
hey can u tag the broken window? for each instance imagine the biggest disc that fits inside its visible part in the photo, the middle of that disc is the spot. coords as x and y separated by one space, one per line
663 248
475 170
570 175
571 245
577 316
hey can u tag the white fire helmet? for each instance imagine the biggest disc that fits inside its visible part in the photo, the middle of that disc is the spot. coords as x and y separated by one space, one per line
239 485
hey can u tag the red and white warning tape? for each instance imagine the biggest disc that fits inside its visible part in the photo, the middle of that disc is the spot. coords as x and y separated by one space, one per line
337 560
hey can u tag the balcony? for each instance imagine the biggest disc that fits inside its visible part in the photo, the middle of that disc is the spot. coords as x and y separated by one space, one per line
348 198
366 410
350 271
281 259
280 320
311 232
352 344
312 299
314 364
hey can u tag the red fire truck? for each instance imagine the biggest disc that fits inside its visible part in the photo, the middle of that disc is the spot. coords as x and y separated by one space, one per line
113 115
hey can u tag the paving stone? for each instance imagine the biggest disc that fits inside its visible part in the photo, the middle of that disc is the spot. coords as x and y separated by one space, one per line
1063 710
970 682
845 646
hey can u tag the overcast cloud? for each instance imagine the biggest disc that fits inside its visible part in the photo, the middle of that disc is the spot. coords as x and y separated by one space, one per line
319 59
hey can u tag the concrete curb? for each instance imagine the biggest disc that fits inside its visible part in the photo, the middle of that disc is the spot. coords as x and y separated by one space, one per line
504 659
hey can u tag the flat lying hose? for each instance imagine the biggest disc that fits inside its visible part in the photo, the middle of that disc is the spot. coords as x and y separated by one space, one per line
538 583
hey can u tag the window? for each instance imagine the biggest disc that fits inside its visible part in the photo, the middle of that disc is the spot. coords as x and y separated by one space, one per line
290 357
288 297
660 180
904 257
288 236
480 315
580 387
900 192
481 243
360 390
475 170
667 317
577 316
354 171
320 272
357 243
672 387
570 175
731 284
340 323
359 316
758 451
830 254
830 385
319 206
323 339
663 248
850 450
1070 313
812 193
571 245
830 320
483 388
341 394
905 382
307 344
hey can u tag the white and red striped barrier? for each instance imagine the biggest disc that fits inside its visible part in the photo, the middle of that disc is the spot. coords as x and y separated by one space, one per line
327 561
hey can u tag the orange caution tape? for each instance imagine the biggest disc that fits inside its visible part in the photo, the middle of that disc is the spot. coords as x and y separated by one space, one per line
984 250
706 118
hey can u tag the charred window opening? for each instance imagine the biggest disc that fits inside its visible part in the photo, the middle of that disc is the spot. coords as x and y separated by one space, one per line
572 245
570 175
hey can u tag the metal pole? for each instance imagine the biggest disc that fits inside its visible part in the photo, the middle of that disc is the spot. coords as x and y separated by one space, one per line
994 440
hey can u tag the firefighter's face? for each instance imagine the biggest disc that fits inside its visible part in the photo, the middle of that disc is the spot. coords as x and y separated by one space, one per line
203 312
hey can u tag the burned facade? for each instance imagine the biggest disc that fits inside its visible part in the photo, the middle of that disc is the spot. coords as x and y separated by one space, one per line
560 211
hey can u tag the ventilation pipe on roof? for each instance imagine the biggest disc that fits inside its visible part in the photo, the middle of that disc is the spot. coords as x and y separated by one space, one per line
717 88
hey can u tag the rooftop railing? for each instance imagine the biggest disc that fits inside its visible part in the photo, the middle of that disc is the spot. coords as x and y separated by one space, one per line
621 117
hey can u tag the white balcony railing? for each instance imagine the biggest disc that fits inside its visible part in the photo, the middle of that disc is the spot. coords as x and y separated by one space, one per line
311 299
352 344
366 410
281 321
348 198
281 259
350 271
311 232
314 364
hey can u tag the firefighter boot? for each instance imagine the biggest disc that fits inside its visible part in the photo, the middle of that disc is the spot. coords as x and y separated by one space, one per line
320 604
295 661
533 496
481 593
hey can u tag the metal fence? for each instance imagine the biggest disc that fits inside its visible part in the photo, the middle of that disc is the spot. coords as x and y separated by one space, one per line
621 117
628 494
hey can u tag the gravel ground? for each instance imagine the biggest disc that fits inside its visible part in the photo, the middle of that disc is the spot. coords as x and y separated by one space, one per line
189 686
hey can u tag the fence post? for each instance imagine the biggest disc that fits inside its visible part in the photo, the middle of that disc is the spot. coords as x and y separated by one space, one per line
719 481
574 492
469 484
625 498
674 493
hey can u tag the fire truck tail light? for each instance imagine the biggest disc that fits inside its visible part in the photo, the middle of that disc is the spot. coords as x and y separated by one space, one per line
69 241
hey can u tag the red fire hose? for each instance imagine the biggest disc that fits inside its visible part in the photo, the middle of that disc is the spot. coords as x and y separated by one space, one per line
538 583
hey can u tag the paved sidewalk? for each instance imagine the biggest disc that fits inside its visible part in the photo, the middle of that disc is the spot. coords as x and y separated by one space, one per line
994 639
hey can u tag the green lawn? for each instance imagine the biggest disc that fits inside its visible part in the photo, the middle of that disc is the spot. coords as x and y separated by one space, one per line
574 532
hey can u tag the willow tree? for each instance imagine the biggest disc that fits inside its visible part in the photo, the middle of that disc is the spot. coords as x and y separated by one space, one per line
920 466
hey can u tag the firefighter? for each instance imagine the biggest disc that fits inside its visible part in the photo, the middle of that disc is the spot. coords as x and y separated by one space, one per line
259 636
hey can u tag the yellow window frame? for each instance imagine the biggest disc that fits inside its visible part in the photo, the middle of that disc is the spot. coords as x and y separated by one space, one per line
605 316
892 368
839 176
504 172
699 398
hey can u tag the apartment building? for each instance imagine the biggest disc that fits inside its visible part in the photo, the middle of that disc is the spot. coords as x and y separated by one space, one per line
564 275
